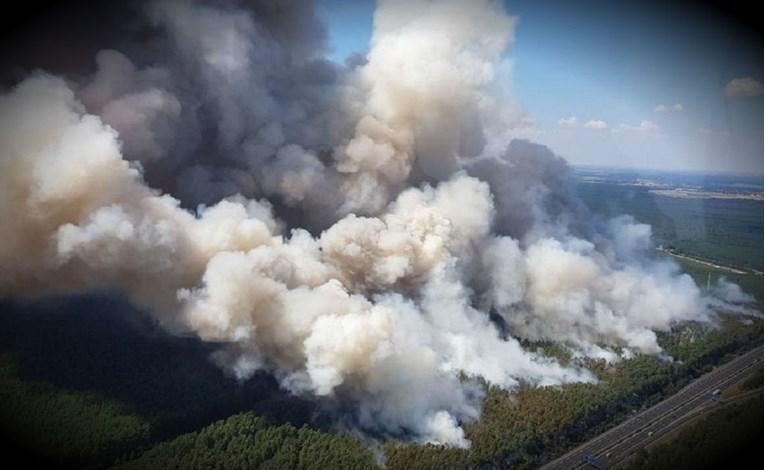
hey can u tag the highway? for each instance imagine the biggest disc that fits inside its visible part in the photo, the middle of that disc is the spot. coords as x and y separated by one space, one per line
618 444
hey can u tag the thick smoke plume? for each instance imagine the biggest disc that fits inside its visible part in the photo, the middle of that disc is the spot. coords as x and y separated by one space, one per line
346 228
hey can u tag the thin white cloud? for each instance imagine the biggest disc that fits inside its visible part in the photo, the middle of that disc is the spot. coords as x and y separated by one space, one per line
596 124
708 131
644 126
573 123
746 86
665 108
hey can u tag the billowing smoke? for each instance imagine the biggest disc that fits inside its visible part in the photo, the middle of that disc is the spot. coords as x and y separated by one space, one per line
346 228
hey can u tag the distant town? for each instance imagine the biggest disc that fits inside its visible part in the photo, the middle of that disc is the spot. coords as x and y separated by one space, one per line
685 185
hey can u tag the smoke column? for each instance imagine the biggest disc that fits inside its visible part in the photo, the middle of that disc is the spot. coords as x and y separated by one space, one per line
349 229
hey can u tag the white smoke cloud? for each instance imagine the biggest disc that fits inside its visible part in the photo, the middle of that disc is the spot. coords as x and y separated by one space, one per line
426 76
385 309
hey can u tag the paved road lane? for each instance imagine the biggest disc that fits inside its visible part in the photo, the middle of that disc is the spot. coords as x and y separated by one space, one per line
621 442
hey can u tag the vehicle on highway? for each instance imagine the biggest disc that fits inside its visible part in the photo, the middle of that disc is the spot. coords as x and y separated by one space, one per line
593 462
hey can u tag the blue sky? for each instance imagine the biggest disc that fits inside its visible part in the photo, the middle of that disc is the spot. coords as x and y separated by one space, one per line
619 62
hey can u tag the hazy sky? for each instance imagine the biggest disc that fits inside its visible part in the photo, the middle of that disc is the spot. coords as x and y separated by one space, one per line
632 84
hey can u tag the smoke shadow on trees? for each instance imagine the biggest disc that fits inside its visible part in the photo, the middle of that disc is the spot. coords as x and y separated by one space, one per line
101 344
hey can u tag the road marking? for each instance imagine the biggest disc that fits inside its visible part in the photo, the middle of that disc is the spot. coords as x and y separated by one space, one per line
623 432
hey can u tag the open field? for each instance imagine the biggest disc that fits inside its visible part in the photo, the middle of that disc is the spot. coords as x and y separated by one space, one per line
686 194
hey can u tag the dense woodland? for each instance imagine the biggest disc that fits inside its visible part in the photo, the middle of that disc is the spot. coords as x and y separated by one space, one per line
85 382
726 231
248 441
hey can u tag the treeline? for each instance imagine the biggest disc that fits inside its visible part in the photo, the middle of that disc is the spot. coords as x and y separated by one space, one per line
247 441
84 382
102 346
64 428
